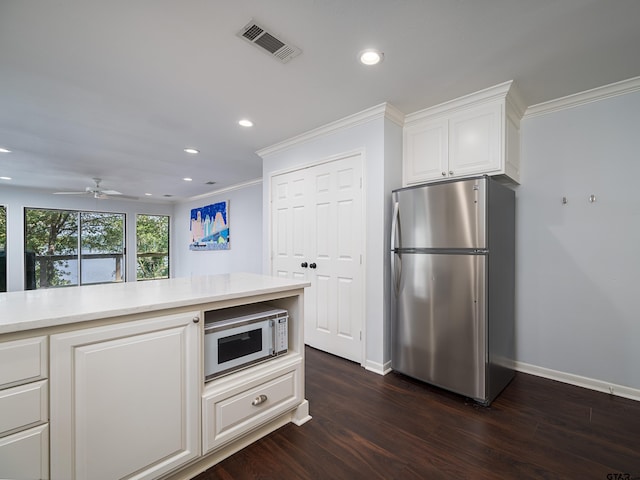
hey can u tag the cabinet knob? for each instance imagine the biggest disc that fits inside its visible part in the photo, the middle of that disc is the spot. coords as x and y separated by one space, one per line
313 265
450 172
304 264
444 174
196 319
258 400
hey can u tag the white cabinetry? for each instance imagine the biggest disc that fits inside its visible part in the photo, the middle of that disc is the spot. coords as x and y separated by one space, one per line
236 405
475 134
125 398
24 432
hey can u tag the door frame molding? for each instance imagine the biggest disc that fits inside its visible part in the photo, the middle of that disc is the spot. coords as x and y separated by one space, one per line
363 225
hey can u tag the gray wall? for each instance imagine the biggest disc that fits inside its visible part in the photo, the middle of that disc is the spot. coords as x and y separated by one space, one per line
245 229
578 264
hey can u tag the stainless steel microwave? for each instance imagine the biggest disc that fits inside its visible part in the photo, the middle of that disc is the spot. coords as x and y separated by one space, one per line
238 337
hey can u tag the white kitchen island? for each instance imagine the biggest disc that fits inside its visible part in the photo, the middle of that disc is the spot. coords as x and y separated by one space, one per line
107 381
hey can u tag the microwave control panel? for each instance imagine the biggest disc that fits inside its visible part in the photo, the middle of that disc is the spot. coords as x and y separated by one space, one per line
281 336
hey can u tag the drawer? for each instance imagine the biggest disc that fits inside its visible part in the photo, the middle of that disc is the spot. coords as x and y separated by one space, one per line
25 455
230 414
23 361
23 406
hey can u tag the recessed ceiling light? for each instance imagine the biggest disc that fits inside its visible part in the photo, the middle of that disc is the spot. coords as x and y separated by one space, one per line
4 150
245 123
191 150
187 179
370 56
149 194
5 178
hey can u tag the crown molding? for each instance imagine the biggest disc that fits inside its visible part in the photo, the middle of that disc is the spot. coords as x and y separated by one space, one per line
394 114
496 92
595 94
231 188
384 110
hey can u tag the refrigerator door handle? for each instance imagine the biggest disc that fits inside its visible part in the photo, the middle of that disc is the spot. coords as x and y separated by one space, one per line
395 230
395 233
396 271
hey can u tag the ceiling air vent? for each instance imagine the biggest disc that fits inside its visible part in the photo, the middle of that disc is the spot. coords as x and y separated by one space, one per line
268 42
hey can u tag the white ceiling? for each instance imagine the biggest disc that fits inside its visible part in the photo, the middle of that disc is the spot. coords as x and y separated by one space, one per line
117 88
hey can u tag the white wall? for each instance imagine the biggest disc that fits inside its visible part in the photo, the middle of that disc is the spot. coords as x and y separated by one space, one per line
381 141
245 227
578 265
16 199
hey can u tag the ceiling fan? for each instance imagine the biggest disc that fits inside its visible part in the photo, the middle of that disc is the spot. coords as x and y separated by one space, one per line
97 192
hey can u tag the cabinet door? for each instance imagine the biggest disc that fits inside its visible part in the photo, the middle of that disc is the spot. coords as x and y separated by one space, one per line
425 151
125 399
475 140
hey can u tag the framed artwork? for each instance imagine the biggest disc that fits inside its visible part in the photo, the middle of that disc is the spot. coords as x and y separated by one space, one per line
209 227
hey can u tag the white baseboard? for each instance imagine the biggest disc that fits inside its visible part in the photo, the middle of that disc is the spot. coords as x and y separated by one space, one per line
579 381
570 378
379 368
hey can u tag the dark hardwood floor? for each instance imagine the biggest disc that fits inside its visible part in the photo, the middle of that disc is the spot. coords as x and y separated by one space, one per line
367 426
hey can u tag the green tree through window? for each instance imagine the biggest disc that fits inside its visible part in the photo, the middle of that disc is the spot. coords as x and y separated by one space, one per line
69 248
102 247
152 242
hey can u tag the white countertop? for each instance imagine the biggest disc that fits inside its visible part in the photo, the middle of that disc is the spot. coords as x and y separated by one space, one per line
32 309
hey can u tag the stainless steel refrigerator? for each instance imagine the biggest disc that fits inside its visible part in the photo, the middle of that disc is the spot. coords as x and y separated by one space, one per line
452 268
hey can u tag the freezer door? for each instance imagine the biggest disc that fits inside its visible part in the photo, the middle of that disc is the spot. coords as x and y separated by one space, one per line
439 321
446 215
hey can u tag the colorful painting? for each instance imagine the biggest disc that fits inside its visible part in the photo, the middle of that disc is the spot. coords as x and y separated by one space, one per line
209 227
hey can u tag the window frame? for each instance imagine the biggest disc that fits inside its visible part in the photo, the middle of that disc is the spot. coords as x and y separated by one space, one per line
3 247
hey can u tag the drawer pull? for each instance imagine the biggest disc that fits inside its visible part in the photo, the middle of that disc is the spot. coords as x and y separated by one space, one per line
258 400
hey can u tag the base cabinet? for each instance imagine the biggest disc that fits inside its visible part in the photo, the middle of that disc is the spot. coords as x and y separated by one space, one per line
125 399
120 392
234 406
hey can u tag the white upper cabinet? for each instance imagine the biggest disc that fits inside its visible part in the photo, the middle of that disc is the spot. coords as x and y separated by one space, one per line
475 134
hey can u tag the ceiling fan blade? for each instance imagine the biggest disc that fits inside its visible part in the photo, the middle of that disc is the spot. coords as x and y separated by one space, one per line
110 192
103 195
70 193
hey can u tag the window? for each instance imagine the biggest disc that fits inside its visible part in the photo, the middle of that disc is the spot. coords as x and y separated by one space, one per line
102 247
152 241
3 249
64 247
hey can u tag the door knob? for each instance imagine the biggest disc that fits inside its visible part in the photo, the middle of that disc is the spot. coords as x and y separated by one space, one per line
304 264
313 265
